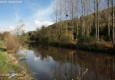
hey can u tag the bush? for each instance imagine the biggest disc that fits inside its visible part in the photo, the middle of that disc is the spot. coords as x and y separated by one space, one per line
86 43
66 38
12 42
85 39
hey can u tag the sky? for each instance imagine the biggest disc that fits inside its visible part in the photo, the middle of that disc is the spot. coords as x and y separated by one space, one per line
34 13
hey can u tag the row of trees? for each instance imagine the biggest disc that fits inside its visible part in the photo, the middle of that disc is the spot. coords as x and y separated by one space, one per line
76 19
71 9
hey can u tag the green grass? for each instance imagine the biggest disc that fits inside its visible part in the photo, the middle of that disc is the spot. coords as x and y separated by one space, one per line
1 42
6 65
1 46
3 57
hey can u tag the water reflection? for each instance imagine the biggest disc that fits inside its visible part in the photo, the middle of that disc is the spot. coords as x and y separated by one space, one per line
51 63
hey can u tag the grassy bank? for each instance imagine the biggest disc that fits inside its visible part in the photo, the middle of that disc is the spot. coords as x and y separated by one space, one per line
9 63
98 46
89 43
84 44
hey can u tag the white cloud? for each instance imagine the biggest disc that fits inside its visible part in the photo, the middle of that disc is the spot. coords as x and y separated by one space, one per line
11 28
44 14
39 24
6 26
41 16
2 30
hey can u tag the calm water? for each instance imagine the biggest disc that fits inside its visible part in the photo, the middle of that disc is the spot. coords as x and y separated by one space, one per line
50 63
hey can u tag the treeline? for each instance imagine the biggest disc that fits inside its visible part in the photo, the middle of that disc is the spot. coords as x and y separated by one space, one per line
81 22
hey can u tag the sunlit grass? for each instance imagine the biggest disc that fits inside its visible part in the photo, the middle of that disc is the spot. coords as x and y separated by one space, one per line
1 42
8 65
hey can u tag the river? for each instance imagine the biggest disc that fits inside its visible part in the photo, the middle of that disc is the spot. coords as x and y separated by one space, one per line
51 63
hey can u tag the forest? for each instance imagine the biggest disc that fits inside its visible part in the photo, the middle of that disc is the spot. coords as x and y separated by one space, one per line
83 24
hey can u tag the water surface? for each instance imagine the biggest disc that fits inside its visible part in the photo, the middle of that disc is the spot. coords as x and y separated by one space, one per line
50 63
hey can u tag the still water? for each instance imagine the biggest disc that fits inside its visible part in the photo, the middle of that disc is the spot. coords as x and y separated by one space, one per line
50 63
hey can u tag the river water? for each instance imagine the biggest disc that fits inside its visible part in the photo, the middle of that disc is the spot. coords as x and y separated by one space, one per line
51 63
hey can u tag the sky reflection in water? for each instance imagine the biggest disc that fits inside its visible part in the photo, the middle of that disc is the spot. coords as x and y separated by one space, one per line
50 63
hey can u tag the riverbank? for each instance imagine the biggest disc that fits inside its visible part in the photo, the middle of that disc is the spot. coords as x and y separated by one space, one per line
96 46
9 63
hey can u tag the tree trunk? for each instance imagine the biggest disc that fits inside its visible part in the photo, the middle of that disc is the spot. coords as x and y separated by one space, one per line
66 16
82 23
108 21
97 3
95 23
84 17
77 31
113 21
72 13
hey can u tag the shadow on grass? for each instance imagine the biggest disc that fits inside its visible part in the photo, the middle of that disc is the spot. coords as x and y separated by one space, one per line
2 49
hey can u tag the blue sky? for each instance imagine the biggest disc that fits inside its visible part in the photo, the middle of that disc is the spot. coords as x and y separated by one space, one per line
34 13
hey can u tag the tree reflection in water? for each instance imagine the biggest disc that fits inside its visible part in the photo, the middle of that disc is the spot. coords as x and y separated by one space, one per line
75 64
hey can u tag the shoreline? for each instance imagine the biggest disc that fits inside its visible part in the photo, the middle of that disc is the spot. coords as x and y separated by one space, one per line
10 63
93 47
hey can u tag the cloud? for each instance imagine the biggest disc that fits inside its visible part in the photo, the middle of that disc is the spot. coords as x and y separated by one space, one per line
11 28
2 30
33 6
44 13
41 16
41 23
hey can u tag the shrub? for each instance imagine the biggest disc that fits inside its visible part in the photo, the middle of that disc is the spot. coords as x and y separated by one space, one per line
12 42
86 43
15 38
85 39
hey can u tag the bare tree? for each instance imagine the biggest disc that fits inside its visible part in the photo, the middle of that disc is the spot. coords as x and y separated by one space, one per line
112 2
55 8
58 15
77 12
108 19
88 21
95 22
97 6
85 9
96 18
71 9
82 17
66 13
